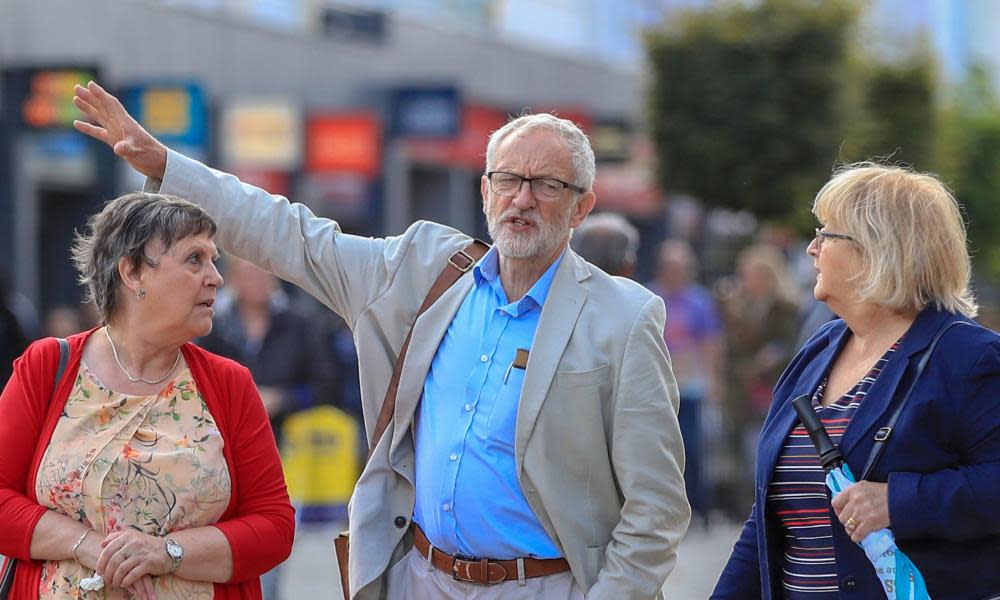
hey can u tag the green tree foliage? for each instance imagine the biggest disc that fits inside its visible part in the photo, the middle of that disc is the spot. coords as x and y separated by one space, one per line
897 120
747 103
971 166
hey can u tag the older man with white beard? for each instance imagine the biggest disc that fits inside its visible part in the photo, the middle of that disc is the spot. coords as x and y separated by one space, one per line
533 451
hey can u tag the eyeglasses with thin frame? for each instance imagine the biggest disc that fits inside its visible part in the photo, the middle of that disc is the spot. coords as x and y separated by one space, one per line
822 236
544 188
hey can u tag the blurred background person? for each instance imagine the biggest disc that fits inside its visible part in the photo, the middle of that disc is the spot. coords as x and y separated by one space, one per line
759 308
151 457
63 321
893 265
609 242
13 337
693 334
258 327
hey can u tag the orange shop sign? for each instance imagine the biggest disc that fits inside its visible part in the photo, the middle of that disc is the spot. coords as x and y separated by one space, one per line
50 97
343 142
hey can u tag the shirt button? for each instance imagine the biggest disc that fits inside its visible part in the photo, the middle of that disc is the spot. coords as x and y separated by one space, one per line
400 522
468 408
503 313
453 457
484 358
446 507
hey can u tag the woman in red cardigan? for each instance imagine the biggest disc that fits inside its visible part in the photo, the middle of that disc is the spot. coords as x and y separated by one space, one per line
149 470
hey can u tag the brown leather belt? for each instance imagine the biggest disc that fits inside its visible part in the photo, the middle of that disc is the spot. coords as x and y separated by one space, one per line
485 570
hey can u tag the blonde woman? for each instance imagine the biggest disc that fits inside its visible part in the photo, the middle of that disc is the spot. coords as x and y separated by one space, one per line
891 262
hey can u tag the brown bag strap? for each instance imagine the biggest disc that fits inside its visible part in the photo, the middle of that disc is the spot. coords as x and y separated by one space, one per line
458 264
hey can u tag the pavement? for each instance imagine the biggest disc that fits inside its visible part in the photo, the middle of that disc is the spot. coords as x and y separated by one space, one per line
311 572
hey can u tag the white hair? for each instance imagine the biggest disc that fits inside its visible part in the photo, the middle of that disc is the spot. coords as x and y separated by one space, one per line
572 137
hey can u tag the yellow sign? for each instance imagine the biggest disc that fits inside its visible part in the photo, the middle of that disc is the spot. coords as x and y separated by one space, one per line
320 456
262 135
167 112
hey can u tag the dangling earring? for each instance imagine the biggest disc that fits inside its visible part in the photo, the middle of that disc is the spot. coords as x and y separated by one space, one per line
140 294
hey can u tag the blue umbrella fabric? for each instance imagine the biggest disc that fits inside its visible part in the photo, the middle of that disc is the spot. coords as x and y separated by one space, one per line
900 578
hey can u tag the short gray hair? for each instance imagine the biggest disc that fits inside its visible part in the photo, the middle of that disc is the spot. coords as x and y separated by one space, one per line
123 229
607 241
572 137
910 231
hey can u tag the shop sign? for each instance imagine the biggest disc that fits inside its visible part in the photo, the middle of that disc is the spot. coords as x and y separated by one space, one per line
262 135
176 113
343 142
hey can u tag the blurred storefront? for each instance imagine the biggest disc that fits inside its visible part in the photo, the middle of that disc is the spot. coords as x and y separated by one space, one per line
51 178
369 115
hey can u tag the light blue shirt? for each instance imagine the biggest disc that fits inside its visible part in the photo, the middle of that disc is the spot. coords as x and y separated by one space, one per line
468 498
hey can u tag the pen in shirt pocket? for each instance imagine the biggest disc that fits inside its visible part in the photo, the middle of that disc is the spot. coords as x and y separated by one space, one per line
520 362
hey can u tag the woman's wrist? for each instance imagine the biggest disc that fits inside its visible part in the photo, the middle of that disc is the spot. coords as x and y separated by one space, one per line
79 542
89 550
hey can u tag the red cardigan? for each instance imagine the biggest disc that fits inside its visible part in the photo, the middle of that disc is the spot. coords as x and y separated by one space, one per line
259 521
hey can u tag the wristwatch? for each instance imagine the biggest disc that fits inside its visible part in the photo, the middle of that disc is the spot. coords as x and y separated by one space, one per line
175 552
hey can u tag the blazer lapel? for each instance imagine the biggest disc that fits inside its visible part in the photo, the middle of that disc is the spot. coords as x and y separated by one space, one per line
555 326
883 393
428 332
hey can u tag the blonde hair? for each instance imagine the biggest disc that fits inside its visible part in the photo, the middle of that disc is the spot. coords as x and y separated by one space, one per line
910 232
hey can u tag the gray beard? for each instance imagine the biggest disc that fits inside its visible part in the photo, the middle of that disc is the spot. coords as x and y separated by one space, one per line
544 241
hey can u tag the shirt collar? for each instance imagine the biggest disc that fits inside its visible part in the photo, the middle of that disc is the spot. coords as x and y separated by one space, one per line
487 270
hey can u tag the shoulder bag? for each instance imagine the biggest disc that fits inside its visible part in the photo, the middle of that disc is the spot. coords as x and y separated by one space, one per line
10 565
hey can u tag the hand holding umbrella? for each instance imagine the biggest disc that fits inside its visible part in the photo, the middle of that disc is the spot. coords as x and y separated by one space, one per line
899 576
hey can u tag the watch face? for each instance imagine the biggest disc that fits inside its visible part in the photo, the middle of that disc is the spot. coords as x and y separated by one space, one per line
174 549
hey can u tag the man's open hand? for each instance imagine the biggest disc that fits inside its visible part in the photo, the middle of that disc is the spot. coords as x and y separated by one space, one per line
109 122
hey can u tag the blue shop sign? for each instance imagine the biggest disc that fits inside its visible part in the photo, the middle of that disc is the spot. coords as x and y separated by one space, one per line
176 113
430 112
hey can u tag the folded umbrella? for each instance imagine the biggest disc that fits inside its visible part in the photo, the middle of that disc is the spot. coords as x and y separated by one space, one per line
899 576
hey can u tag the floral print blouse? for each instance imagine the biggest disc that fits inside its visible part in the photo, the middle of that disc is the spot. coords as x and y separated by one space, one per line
116 461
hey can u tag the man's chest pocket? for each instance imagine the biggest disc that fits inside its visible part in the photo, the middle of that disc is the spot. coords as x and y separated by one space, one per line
591 378
503 412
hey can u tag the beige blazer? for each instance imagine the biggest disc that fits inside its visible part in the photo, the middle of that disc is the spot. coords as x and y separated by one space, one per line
597 444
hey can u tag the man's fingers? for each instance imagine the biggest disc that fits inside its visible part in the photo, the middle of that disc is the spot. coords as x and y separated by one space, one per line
98 133
85 107
106 100
98 92
83 94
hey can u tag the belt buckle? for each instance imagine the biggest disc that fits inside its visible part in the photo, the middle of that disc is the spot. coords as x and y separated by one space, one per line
461 562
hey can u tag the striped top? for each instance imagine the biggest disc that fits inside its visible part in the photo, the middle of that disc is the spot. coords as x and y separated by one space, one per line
798 496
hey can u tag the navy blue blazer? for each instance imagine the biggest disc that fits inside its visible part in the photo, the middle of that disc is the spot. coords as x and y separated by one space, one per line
942 464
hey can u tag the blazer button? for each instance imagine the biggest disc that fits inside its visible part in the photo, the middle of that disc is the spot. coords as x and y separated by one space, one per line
400 522
848 583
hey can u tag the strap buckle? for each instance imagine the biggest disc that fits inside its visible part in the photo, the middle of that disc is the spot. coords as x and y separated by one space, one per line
464 258
477 570
883 434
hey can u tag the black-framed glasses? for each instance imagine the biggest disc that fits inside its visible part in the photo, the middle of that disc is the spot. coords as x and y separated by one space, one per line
822 236
544 188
